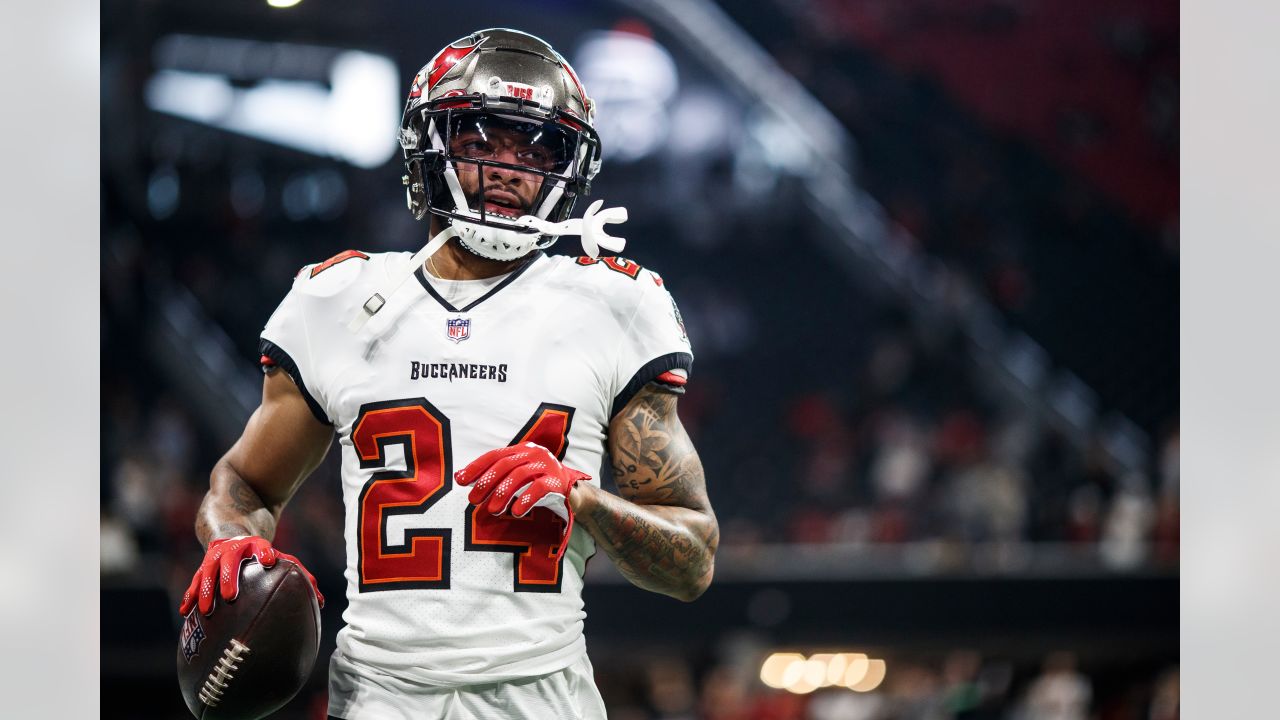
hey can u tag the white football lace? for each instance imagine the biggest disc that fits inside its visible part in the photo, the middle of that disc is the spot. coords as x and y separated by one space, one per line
220 677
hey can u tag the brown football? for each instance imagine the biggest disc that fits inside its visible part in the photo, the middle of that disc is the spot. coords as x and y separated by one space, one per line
250 656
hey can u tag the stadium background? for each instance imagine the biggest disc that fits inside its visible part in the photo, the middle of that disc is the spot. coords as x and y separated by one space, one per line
927 252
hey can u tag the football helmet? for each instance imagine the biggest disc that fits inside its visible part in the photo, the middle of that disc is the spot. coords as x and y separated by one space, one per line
464 109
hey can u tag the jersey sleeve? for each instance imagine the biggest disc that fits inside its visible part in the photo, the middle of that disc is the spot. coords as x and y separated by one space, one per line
654 346
285 343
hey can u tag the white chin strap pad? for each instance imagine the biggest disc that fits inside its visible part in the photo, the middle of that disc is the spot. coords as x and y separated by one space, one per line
590 227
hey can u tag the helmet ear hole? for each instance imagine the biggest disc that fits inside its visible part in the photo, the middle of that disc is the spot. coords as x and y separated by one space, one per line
416 189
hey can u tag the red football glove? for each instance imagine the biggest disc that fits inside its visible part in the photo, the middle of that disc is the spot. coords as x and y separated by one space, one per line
221 569
526 473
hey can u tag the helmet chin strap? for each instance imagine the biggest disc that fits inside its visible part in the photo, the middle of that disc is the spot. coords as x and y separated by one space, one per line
590 227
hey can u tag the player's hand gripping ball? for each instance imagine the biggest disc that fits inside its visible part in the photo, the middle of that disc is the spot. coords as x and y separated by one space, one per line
220 571
251 631
516 479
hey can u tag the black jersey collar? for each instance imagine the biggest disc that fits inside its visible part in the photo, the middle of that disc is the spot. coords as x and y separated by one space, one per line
421 274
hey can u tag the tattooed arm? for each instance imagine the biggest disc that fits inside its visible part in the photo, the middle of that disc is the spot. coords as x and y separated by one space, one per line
661 534
281 444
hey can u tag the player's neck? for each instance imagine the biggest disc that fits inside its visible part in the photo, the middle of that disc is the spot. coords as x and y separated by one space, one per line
454 262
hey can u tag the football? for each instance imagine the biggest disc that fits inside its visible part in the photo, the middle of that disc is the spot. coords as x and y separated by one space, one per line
250 656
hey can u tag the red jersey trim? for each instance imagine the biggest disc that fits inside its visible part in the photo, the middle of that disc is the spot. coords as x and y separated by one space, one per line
671 378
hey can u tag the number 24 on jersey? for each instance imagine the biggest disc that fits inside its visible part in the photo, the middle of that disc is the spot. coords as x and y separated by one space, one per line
422 561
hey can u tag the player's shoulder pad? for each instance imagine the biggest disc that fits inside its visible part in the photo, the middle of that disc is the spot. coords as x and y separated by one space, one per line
344 272
615 276
639 295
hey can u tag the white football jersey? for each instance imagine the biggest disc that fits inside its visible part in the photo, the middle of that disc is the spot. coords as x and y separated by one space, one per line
441 594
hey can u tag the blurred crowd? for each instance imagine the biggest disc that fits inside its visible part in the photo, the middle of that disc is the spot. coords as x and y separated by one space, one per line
1032 145
961 685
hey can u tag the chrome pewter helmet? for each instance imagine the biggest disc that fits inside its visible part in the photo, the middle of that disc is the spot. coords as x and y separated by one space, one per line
513 80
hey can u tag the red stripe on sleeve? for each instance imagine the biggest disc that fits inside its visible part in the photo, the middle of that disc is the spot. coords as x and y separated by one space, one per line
672 379
266 361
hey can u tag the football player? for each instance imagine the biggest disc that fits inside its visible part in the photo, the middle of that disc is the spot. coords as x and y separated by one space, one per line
475 388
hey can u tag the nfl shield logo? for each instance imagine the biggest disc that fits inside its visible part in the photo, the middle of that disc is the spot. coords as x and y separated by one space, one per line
192 635
459 329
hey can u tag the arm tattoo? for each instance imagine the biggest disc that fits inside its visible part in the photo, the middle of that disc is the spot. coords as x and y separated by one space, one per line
243 498
232 508
654 462
662 535
664 554
207 530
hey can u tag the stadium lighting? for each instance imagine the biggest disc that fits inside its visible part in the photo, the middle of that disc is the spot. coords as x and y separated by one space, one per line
794 674
283 3
799 678
632 79
839 665
797 674
855 669
820 663
348 110
875 675
815 671
775 668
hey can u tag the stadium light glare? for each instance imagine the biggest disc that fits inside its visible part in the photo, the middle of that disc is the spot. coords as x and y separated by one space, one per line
793 675
353 117
836 667
875 675
775 668
283 3
855 669
823 660
815 671
633 79
804 677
